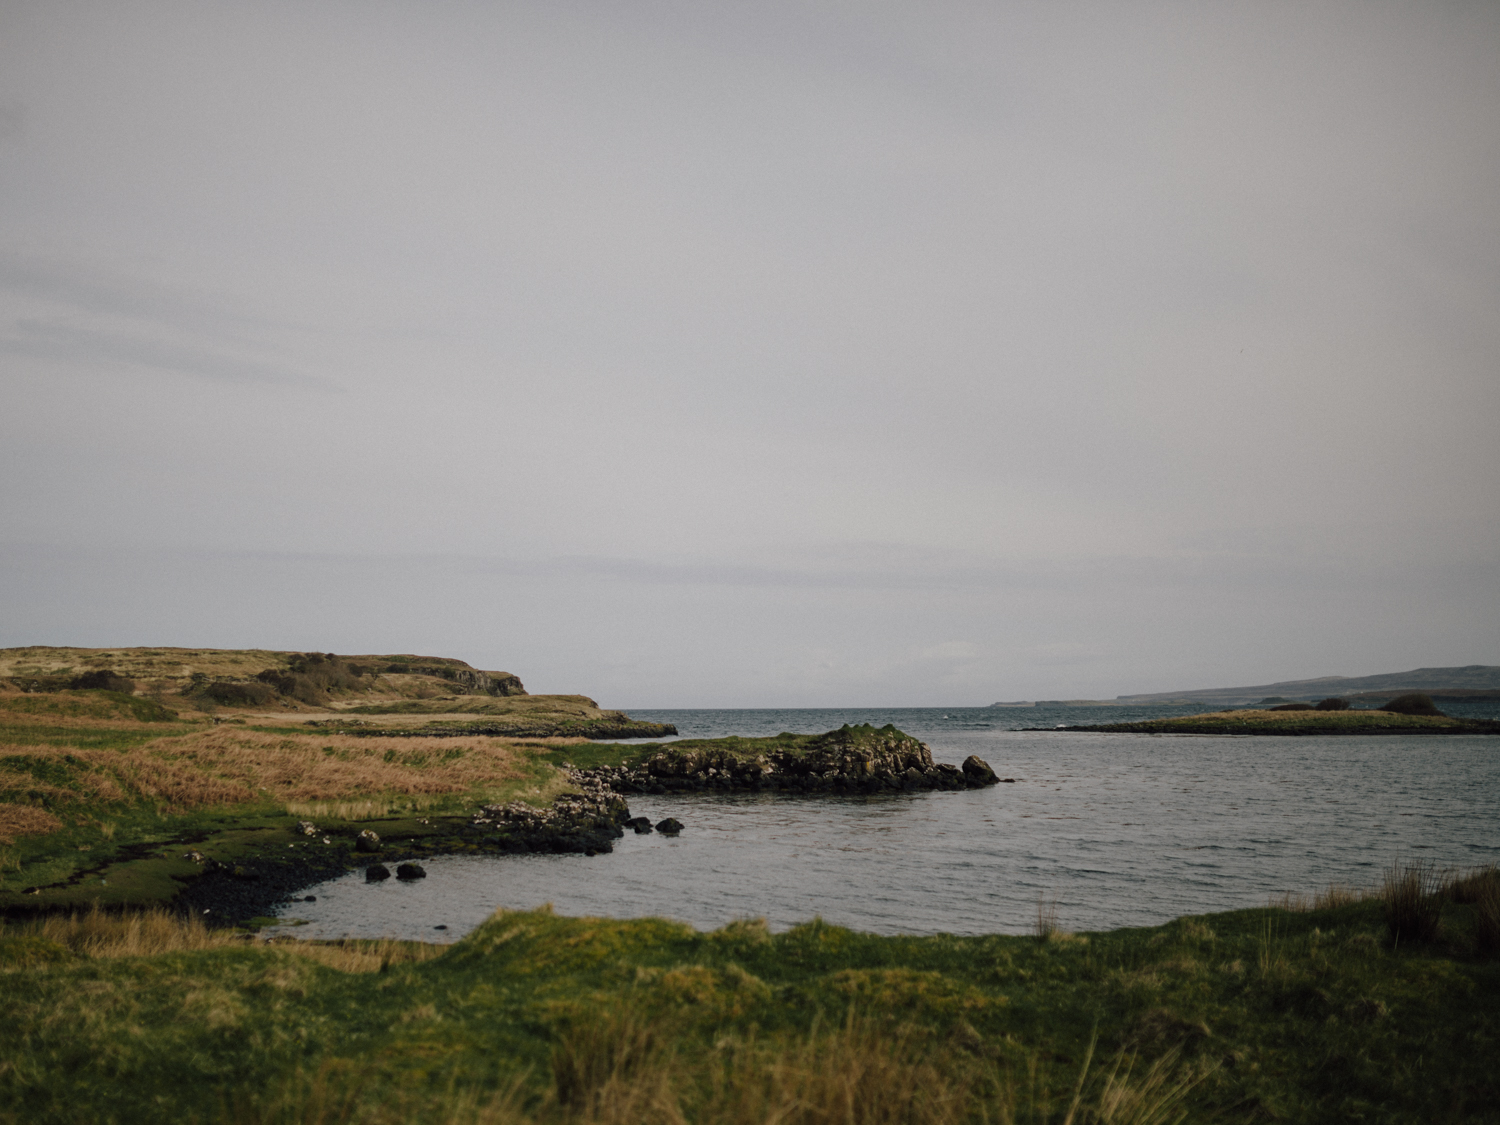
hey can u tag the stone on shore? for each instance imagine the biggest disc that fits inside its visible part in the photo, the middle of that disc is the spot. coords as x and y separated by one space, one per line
409 871
376 872
669 827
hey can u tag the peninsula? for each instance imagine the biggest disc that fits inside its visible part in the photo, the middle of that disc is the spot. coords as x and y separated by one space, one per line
229 779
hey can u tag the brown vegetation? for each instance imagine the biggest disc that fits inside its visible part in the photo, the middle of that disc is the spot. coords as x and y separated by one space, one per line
25 820
229 765
1331 898
148 933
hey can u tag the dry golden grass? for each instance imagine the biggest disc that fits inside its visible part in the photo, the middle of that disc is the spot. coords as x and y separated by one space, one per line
1330 898
153 932
227 765
24 820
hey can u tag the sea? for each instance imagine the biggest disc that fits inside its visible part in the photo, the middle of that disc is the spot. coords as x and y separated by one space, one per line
1107 830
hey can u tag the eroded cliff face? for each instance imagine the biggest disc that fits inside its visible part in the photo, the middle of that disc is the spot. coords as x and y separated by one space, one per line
475 680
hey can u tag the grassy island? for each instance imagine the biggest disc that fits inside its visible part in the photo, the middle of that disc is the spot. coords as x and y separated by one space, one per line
1256 721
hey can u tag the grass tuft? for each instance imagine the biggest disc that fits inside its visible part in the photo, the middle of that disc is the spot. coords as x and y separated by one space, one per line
1045 927
1413 904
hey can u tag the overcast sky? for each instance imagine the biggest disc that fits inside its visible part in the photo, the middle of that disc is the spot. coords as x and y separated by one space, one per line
773 354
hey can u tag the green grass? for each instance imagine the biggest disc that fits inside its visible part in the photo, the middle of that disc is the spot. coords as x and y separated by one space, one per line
1250 1016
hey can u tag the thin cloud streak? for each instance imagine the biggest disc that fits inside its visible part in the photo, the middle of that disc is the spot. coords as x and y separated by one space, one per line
95 349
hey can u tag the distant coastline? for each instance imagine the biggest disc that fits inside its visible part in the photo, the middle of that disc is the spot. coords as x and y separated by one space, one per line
1293 723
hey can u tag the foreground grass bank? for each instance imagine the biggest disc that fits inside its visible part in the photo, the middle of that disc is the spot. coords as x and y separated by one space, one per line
1291 1015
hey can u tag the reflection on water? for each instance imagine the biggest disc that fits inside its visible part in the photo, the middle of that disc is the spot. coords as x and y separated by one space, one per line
1119 829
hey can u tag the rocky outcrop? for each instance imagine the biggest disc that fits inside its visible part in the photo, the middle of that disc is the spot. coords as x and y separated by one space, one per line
588 819
478 682
849 760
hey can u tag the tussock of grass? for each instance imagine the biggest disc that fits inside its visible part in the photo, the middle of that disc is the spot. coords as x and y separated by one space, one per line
1045 927
1413 904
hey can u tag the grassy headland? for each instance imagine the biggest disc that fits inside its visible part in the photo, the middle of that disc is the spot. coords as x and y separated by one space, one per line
116 765
1303 1015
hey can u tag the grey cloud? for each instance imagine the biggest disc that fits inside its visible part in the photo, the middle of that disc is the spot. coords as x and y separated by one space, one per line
758 350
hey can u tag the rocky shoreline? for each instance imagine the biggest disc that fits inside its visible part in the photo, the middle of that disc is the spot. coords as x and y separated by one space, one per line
593 813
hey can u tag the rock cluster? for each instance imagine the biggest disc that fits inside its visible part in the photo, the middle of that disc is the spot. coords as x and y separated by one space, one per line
588 819
850 760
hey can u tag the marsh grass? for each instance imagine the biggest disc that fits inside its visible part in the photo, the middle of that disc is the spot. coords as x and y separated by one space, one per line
1478 887
225 766
1332 897
100 934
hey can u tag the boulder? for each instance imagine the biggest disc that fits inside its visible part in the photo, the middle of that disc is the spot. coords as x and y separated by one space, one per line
978 771
376 872
410 871
367 841
670 827
641 824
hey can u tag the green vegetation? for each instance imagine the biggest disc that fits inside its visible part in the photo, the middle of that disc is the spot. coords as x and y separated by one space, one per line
1413 703
1301 1016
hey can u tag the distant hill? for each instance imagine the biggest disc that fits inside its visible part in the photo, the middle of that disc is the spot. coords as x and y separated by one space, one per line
1471 678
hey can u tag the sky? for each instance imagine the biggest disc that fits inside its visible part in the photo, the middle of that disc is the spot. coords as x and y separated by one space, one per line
780 354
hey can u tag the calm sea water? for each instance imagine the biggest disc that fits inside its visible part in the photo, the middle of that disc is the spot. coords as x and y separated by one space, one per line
1118 830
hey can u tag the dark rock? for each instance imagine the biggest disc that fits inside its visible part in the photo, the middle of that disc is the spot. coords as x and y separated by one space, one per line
439 927
641 824
410 871
376 872
978 771
669 827
310 898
